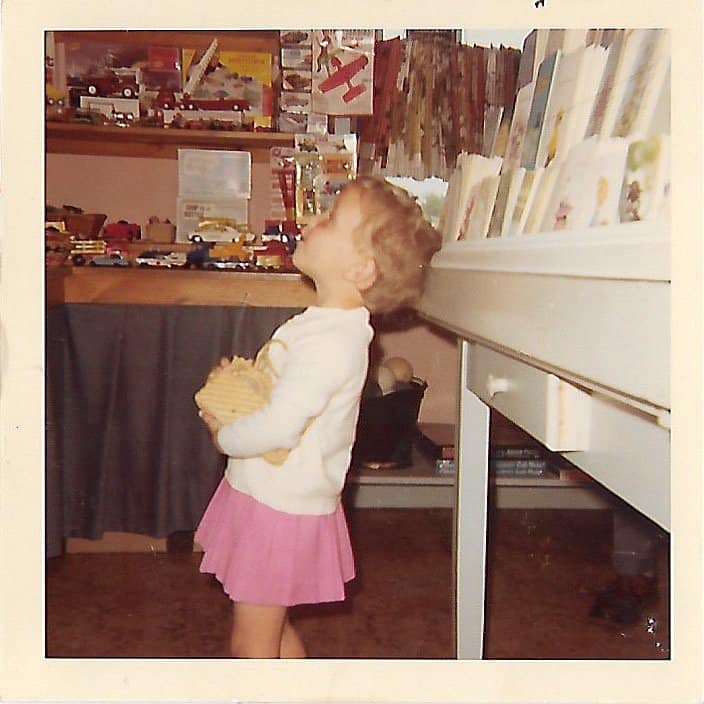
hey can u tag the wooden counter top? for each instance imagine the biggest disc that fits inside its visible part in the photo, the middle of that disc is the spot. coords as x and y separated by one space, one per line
176 287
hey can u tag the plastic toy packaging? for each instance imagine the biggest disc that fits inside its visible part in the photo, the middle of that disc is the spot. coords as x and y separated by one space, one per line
343 71
307 170
336 171
324 163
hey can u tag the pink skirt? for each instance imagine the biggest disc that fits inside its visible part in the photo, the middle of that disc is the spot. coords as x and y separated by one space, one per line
268 557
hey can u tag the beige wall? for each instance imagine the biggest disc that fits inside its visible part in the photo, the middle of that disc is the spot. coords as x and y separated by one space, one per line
133 189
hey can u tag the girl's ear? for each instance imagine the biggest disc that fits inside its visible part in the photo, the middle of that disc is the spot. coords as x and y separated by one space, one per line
363 273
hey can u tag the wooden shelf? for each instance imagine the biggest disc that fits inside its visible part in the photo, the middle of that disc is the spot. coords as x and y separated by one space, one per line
155 142
421 472
138 286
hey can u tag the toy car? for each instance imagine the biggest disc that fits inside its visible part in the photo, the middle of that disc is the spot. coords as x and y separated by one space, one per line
111 83
168 100
198 255
122 230
154 258
226 264
122 119
274 255
109 260
230 250
88 117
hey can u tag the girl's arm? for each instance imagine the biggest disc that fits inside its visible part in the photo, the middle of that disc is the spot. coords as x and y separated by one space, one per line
314 370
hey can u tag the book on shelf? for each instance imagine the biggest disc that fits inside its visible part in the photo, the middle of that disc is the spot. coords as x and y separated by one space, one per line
660 120
541 198
576 81
519 125
515 181
443 466
498 211
593 36
608 36
516 452
473 169
500 144
492 121
603 93
525 66
450 204
646 178
520 468
539 106
637 82
556 38
574 38
436 440
587 190
479 207
530 183
541 43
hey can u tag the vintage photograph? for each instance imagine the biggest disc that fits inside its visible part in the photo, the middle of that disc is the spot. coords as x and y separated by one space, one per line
361 360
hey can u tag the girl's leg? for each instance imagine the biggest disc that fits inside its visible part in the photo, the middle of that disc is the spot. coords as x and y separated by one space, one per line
257 630
291 643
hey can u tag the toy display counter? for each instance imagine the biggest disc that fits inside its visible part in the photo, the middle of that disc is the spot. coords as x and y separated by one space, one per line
125 448
176 287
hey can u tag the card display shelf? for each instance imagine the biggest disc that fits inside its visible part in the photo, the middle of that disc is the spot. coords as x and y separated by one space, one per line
566 334
570 332
155 142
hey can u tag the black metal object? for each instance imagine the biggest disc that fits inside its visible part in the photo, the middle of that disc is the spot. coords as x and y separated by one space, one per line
386 425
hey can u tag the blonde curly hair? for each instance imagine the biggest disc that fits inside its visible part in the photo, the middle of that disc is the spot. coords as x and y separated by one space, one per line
400 240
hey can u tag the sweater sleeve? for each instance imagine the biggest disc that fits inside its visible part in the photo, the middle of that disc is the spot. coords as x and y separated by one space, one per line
314 369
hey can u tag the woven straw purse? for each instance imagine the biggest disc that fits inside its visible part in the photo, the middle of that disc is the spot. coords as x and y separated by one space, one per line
239 389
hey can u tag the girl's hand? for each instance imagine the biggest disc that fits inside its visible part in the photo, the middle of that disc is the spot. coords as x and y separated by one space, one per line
213 424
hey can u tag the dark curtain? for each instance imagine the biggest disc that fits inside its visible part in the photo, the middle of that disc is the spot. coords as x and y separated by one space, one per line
125 448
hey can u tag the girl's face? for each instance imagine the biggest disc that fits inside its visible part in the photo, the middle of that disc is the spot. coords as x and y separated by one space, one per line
327 248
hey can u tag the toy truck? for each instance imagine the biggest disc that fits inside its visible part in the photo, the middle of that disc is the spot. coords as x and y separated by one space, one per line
84 251
122 82
122 230
168 100
154 258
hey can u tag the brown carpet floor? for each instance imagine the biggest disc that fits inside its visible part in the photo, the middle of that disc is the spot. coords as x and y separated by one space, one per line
545 567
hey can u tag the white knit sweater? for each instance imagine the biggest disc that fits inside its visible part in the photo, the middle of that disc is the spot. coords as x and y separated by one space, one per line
322 370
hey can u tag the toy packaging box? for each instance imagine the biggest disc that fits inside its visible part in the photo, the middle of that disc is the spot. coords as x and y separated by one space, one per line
343 71
240 75
192 210
214 173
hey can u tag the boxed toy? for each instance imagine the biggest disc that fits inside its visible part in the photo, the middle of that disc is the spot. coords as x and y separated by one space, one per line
191 211
213 173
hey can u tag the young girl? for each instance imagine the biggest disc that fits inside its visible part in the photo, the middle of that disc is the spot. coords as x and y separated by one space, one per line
275 535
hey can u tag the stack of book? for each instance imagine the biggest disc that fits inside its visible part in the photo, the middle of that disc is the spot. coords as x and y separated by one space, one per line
588 142
519 461
437 442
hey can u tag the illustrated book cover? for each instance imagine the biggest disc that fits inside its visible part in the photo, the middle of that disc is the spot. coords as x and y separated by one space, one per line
587 190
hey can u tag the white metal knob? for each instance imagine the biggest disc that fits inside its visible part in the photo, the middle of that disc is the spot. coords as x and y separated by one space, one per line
496 385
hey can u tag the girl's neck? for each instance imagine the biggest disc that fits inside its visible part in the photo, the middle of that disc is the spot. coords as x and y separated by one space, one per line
343 297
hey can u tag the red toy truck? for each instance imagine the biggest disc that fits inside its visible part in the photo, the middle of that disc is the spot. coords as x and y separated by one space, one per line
122 230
